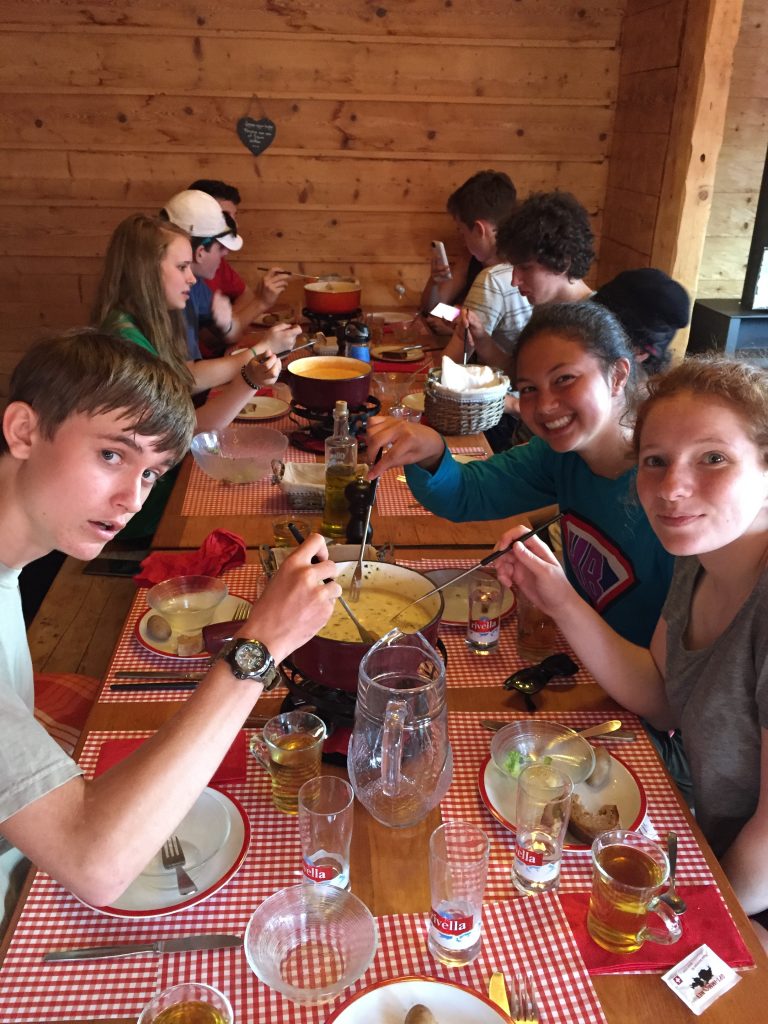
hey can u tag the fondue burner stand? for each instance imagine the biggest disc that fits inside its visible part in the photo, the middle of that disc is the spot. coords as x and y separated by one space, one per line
335 707
331 323
320 424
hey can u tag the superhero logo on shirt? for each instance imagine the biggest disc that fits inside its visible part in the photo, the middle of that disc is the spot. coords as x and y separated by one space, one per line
602 571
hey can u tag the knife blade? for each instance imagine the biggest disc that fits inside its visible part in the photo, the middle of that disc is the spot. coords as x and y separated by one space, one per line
494 724
159 673
157 947
497 991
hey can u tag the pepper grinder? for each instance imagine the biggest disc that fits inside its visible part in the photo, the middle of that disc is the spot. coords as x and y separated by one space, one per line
358 495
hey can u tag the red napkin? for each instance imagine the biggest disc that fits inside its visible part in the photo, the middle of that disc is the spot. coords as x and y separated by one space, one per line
706 920
231 769
221 550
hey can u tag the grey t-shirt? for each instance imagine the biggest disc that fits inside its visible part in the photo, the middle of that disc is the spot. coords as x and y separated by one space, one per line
720 697
31 763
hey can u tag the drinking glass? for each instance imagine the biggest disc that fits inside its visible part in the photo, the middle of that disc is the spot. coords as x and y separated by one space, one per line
628 873
458 868
326 809
484 618
190 1003
536 631
290 749
543 808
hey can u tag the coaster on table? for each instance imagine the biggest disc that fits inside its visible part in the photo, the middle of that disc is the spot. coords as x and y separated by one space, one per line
707 919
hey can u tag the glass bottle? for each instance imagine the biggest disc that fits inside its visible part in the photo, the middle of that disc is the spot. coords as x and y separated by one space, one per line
340 470
483 621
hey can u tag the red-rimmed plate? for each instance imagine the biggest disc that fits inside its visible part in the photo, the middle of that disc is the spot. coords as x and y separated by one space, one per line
223 613
498 791
387 1002
456 611
230 835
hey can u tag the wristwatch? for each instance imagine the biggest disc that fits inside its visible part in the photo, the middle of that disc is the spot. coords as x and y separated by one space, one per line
250 659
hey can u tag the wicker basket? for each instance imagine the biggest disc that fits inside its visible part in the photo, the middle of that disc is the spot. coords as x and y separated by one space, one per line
462 412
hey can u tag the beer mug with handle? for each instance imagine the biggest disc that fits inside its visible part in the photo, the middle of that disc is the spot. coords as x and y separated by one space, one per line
400 762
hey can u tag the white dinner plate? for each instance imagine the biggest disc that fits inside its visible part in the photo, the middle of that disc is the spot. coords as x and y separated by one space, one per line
387 1002
456 611
215 836
223 613
416 355
498 791
263 408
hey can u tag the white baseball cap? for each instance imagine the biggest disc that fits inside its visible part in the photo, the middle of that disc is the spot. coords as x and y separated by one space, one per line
200 216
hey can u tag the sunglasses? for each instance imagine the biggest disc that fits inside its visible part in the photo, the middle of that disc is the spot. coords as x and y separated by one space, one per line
532 678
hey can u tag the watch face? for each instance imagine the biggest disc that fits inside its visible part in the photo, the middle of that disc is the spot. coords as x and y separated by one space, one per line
251 658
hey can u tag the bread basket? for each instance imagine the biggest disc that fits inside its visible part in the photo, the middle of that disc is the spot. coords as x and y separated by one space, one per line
463 412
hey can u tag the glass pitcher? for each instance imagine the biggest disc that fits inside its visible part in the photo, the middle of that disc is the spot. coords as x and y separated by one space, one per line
400 762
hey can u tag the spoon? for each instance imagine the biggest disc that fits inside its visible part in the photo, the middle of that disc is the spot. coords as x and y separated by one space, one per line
365 634
670 897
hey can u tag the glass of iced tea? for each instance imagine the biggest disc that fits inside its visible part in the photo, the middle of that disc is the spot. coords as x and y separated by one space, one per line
290 748
536 631
190 1003
629 872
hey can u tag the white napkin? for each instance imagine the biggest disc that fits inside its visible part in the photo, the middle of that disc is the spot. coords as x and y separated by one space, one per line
467 378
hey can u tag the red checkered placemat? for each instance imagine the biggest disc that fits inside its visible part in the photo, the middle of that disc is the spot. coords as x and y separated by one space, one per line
245 581
394 497
205 496
33 991
471 746
465 668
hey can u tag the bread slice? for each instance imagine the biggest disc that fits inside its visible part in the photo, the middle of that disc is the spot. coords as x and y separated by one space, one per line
586 826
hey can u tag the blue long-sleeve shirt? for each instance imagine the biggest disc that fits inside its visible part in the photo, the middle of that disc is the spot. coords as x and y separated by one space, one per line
612 556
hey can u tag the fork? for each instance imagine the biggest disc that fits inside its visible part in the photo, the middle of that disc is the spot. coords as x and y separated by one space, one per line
173 857
242 611
524 1007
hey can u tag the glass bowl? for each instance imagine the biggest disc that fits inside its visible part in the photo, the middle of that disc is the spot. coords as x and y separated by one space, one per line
240 454
310 941
522 743
187 603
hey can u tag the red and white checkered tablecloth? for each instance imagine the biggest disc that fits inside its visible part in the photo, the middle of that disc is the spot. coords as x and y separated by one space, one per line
245 581
205 496
519 935
471 746
394 497
465 668
33 991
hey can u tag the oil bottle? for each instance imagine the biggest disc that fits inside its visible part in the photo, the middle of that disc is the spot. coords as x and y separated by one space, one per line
340 470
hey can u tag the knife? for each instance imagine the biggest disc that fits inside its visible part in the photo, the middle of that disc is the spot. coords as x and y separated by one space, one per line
497 991
157 947
159 673
494 724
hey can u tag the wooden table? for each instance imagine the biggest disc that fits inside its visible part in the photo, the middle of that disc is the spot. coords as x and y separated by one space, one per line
379 879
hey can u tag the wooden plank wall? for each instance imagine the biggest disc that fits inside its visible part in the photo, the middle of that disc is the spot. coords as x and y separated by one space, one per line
381 111
740 167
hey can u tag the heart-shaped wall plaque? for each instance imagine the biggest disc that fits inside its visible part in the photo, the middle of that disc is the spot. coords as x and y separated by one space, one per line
256 135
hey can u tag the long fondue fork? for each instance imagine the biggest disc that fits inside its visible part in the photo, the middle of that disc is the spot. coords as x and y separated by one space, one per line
365 634
479 565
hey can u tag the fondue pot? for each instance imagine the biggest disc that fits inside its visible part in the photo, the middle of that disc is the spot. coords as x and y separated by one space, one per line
332 294
318 382
335 663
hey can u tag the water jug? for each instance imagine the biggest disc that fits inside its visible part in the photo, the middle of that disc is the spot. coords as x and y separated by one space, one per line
400 762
